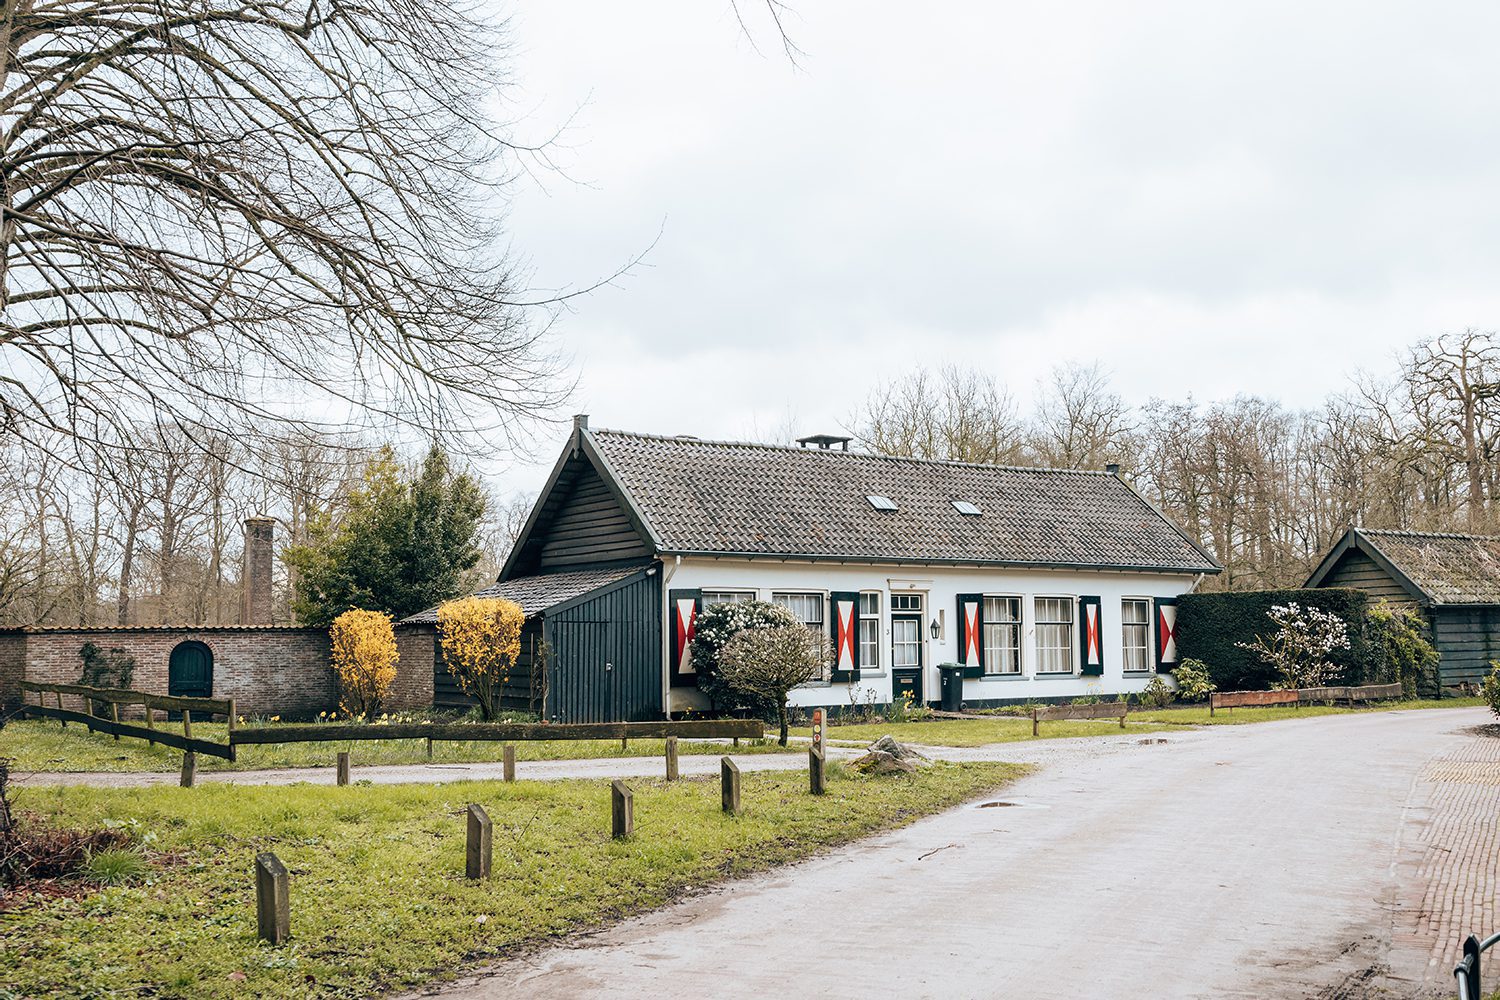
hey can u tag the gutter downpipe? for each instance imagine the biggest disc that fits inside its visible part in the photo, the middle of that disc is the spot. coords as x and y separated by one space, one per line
666 637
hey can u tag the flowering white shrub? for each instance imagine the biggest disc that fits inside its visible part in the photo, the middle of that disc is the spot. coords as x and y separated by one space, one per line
1299 647
719 623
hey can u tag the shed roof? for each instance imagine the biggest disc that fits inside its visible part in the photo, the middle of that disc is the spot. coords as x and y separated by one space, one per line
536 594
1437 567
754 500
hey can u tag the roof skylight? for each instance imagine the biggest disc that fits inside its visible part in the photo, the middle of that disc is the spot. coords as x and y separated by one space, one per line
881 503
966 508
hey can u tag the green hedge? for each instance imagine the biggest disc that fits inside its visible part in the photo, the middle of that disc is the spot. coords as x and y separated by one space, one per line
1209 626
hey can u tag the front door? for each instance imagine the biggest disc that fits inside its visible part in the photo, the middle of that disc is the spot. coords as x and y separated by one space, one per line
190 671
907 645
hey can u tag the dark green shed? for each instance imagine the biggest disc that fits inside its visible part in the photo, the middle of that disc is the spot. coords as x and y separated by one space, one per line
1452 579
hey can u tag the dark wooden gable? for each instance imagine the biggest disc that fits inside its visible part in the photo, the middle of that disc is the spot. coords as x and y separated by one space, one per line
581 521
1355 569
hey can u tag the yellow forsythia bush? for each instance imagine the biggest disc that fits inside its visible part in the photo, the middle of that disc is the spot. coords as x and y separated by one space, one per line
363 647
481 639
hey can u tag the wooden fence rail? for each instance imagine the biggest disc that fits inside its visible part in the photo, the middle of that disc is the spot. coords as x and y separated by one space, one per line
504 732
1302 696
1057 713
116 697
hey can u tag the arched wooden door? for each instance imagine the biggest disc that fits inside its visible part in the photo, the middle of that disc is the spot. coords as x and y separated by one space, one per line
190 671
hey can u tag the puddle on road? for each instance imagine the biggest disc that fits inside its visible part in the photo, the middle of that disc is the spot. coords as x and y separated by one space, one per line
1010 804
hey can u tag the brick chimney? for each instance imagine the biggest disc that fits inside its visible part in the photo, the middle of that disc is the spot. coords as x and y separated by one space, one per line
255 579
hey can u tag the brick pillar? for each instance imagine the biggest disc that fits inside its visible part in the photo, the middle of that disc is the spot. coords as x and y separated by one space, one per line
255 579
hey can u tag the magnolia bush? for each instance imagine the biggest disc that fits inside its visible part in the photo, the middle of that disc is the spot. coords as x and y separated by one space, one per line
1298 649
764 664
363 649
717 625
480 638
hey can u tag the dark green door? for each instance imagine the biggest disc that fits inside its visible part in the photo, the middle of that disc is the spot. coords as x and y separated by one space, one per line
190 672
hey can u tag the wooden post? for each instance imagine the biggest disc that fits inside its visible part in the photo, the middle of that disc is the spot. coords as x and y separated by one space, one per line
429 748
736 741
231 715
150 721
187 723
622 810
189 768
273 909
624 745
1122 719
59 707
343 767
1036 724
729 782
479 849
509 756
816 773
114 715
671 758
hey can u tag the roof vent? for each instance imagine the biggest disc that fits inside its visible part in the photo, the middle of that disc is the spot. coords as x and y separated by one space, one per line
825 441
966 508
881 503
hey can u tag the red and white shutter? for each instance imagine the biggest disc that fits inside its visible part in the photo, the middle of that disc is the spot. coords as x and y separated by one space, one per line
1091 636
971 634
1166 633
684 606
844 632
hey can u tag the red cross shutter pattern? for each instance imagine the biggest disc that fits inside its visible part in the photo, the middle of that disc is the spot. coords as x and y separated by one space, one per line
844 633
1091 636
1166 633
683 608
971 634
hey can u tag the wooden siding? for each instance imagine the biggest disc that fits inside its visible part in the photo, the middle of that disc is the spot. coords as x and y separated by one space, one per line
1467 639
1357 570
605 655
590 528
517 695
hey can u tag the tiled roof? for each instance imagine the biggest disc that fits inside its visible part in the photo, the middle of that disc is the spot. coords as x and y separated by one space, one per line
750 499
538 593
1448 568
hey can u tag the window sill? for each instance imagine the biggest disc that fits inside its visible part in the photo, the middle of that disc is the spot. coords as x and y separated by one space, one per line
1004 678
1140 673
1057 673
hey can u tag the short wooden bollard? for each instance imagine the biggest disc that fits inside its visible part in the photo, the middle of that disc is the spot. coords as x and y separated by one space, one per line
729 790
509 757
343 767
273 905
622 810
114 713
816 773
429 748
189 768
478 852
1036 724
671 758
624 744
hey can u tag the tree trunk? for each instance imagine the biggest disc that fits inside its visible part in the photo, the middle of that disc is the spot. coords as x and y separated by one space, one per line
781 718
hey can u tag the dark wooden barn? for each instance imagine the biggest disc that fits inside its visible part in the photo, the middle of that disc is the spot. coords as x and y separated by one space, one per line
1452 579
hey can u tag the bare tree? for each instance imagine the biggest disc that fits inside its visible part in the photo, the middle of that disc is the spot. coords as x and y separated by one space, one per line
222 213
957 414
1080 421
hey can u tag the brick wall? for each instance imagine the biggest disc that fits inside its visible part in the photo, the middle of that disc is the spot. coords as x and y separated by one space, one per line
416 645
12 658
267 671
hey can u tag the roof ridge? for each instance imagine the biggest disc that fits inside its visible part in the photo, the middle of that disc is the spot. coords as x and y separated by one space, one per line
1465 536
797 449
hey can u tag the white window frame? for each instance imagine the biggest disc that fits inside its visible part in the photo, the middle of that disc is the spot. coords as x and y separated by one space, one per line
1145 646
1020 632
875 621
1072 626
741 595
822 598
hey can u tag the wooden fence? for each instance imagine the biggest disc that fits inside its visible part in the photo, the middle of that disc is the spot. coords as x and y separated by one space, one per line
1303 696
151 703
333 732
1098 710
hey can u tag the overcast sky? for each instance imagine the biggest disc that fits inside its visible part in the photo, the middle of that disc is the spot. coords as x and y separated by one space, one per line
1206 198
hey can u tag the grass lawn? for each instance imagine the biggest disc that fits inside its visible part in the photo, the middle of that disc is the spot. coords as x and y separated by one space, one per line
379 901
44 745
1008 729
